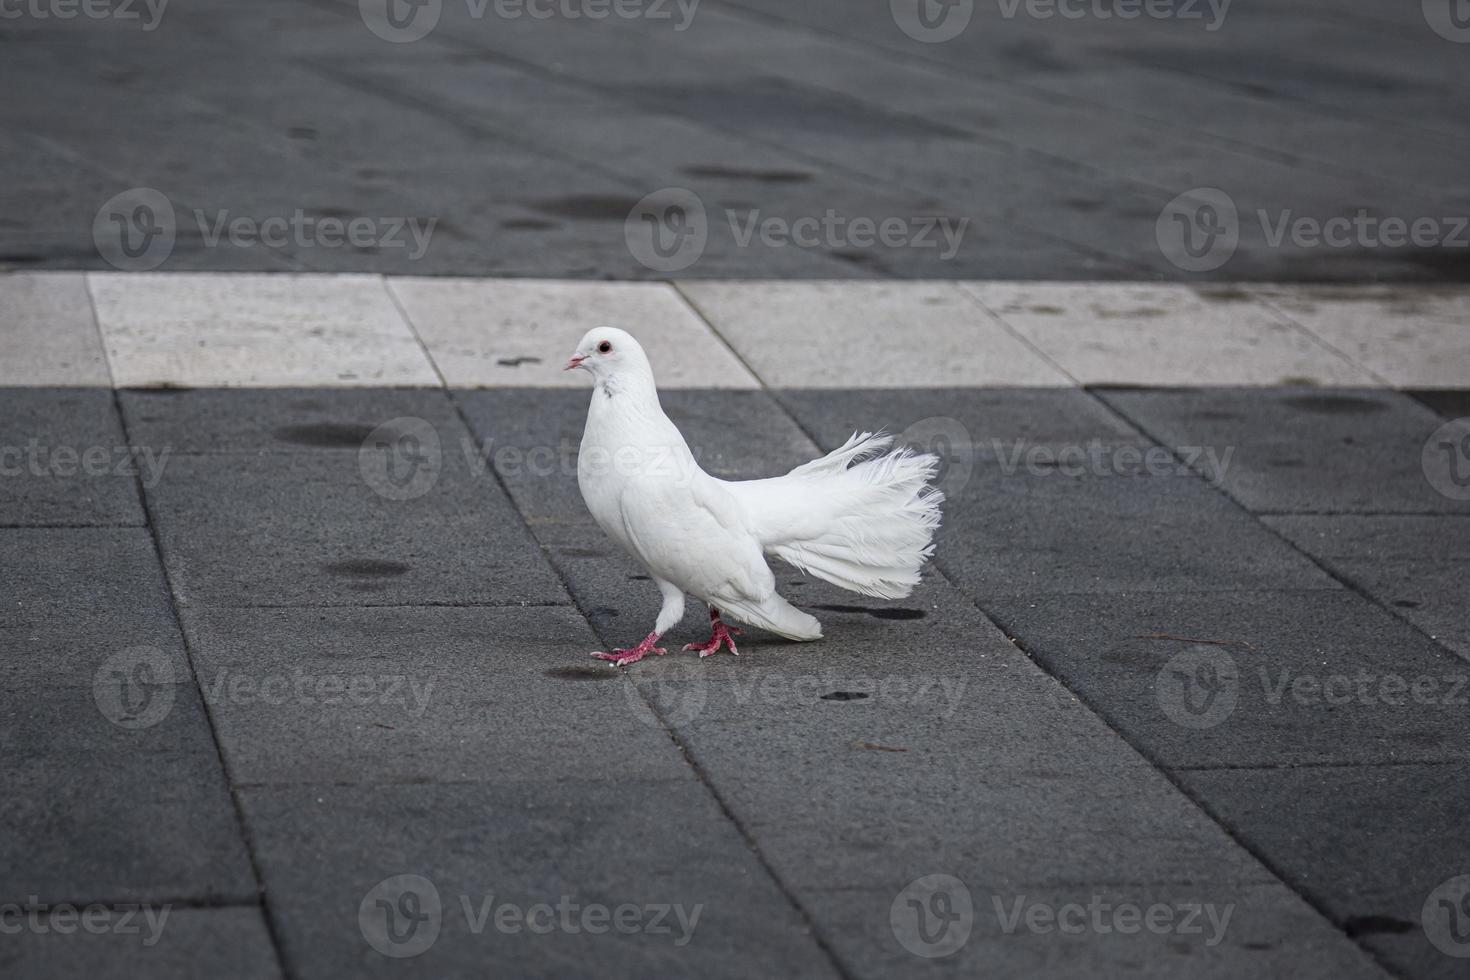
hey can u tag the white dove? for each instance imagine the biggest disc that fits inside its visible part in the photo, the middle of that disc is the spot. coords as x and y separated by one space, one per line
855 517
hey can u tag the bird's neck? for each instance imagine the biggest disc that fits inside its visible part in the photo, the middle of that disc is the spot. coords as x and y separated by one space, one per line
627 399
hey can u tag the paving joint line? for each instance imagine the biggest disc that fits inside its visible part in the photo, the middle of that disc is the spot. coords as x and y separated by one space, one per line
1172 775
682 747
242 825
1209 812
1279 766
1103 717
1347 581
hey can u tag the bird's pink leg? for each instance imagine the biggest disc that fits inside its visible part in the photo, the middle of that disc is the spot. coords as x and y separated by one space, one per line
621 657
719 634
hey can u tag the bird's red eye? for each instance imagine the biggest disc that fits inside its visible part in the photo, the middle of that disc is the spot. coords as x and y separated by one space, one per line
604 347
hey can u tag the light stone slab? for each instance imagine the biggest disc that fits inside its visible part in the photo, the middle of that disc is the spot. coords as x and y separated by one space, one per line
255 330
1166 334
1410 336
491 333
48 335
867 335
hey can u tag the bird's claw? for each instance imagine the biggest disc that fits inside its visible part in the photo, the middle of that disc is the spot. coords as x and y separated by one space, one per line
720 636
623 656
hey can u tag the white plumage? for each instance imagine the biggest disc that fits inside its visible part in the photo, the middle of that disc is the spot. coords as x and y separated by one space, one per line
857 517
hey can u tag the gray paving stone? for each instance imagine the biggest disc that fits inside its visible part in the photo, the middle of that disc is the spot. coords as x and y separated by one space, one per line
1299 678
1054 495
98 812
322 849
1028 533
1258 930
231 943
992 421
276 420
311 530
420 695
64 459
1415 565
1382 838
1328 450
70 598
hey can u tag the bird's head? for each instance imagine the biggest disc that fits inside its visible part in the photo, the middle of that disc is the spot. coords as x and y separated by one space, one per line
610 354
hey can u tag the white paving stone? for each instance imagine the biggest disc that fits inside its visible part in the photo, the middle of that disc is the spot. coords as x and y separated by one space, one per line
48 335
255 330
1410 336
1164 334
867 335
488 333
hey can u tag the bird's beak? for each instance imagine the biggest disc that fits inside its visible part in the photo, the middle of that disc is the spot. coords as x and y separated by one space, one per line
575 361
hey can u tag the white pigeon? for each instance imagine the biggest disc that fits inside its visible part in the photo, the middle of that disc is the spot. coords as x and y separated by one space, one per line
855 517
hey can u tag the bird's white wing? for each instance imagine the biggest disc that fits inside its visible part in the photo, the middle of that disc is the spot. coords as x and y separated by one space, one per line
693 533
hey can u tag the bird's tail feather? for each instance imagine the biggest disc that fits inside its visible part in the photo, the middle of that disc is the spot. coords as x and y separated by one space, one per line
775 614
855 517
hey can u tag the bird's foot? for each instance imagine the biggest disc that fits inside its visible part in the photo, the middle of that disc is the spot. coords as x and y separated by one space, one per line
719 635
621 657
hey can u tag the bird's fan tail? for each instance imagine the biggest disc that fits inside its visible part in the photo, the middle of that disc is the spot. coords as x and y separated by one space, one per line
861 520
860 446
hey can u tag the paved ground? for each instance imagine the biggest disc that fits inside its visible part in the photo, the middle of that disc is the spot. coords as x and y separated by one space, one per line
296 587
296 680
1045 139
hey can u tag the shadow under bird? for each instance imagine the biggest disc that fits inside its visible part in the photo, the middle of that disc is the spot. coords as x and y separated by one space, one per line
860 517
